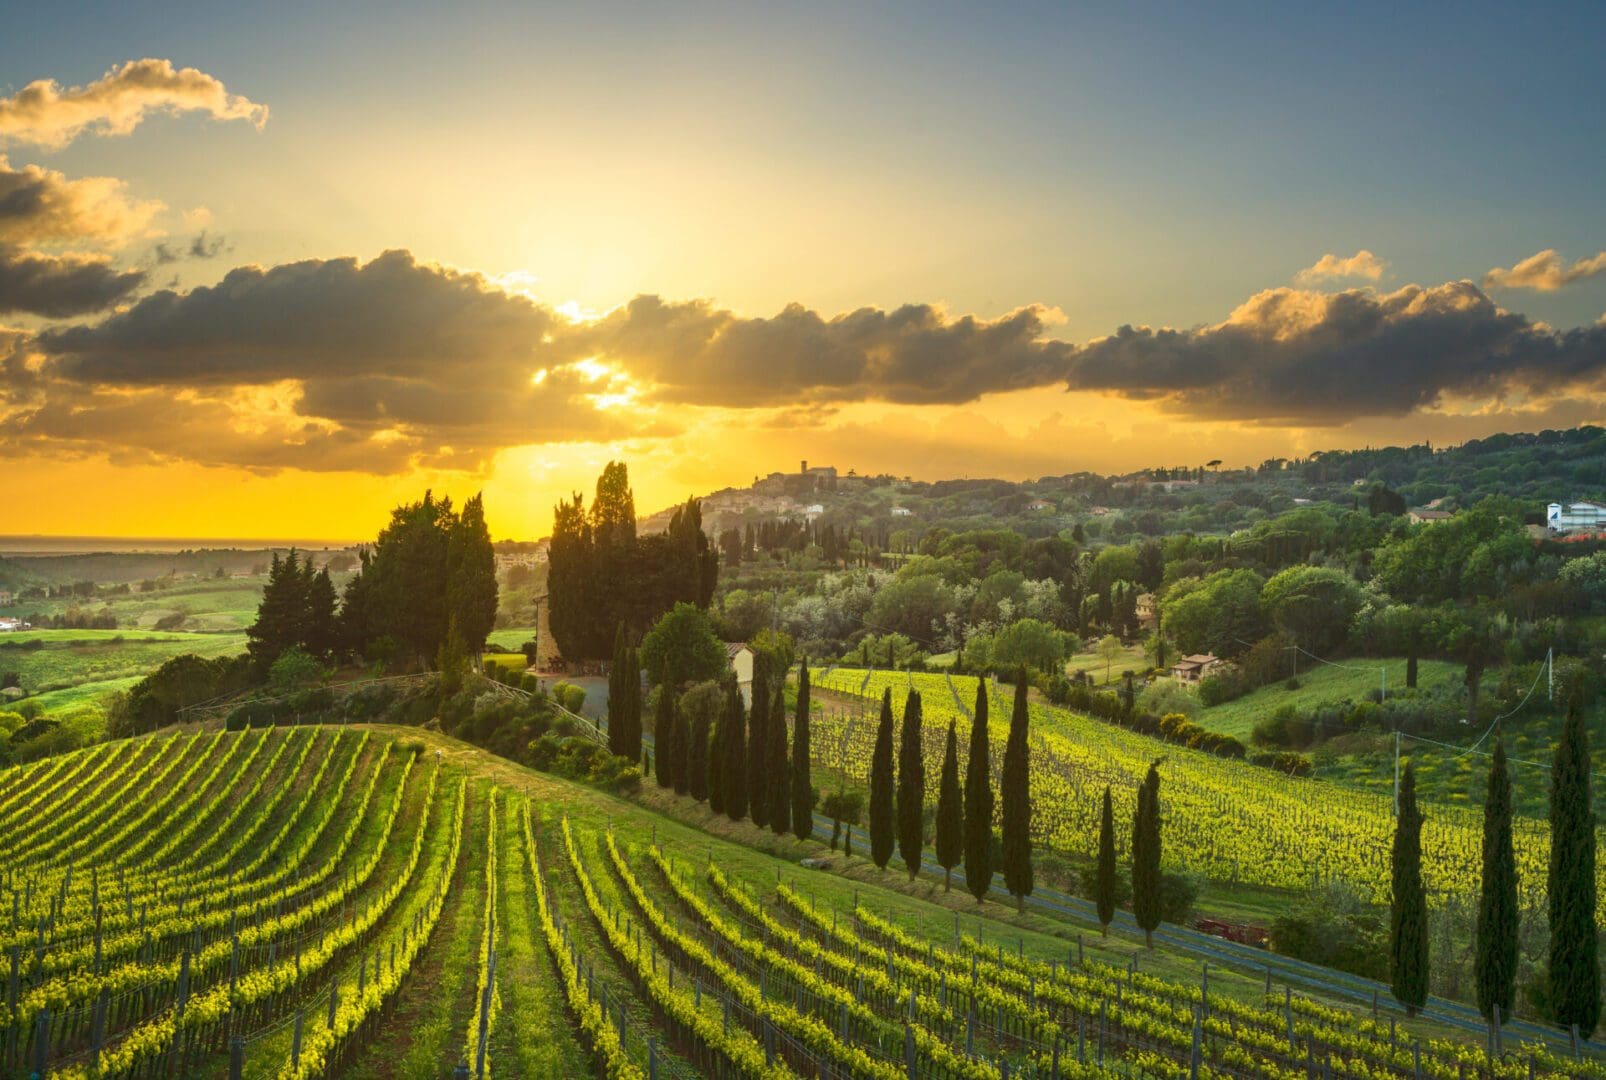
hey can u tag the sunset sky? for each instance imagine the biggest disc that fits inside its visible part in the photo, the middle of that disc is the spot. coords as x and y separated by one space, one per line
267 272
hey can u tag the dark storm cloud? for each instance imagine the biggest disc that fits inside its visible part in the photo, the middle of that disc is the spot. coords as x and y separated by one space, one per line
389 363
60 286
916 354
1294 357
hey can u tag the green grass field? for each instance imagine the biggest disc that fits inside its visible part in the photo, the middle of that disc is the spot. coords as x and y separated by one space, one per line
1132 658
207 604
68 658
1320 685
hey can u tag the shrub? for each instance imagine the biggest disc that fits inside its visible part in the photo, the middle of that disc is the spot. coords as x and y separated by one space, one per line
1334 927
1177 895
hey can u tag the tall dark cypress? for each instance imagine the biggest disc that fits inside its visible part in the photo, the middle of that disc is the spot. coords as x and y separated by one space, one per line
911 786
718 783
779 815
950 811
1104 882
881 781
802 776
1146 856
1574 966
735 747
697 757
1408 938
1496 962
979 802
616 697
663 725
1014 790
681 768
632 687
758 746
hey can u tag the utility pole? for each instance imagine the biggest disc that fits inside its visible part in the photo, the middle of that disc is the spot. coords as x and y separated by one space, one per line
1550 674
1396 769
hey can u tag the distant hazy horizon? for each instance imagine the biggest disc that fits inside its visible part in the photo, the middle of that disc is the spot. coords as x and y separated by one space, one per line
45 544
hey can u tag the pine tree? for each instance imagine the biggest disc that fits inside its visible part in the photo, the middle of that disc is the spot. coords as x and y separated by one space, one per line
776 769
321 635
911 786
1146 856
758 718
735 747
881 791
1104 882
802 776
950 811
1015 792
1408 938
1496 962
1574 966
697 757
663 725
979 802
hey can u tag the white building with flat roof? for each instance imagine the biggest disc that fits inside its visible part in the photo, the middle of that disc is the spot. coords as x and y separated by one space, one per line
1573 517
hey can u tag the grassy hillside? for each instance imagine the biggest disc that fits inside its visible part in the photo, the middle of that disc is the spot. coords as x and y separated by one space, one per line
47 660
1321 684
432 856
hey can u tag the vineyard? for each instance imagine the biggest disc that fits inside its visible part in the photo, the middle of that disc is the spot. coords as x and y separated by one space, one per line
314 901
1227 820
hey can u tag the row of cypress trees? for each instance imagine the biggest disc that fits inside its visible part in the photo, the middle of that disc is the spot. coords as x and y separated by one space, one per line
742 765
964 825
1573 976
624 699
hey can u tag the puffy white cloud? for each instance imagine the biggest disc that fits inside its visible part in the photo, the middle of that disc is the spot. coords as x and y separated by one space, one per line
1362 264
45 113
1545 271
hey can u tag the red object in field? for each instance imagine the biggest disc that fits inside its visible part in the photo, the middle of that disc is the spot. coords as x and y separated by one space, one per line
1243 933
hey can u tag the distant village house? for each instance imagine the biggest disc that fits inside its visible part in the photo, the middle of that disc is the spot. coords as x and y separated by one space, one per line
1564 518
1421 515
1148 611
1195 668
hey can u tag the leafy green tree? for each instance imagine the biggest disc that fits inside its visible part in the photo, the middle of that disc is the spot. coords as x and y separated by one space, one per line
1029 643
683 639
471 576
1014 790
911 790
663 726
776 769
1495 965
452 661
295 669
1574 961
1146 879
1408 936
734 745
1219 614
1104 882
979 802
803 796
1313 605
881 787
1111 649
950 811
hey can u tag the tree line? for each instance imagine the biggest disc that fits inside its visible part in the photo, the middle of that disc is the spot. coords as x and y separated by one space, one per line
1571 987
602 576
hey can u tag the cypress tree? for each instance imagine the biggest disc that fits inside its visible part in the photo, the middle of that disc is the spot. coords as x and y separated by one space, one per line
718 783
1496 964
780 791
979 802
1014 790
663 725
802 777
680 768
1146 856
758 746
471 576
618 694
1104 883
633 695
911 786
735 748
1574 967
1408 939
950 811
697 757
881 829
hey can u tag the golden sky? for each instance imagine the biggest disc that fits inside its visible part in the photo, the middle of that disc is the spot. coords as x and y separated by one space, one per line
273 292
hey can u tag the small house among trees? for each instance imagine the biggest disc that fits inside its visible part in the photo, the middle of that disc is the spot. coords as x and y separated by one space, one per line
1196 668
